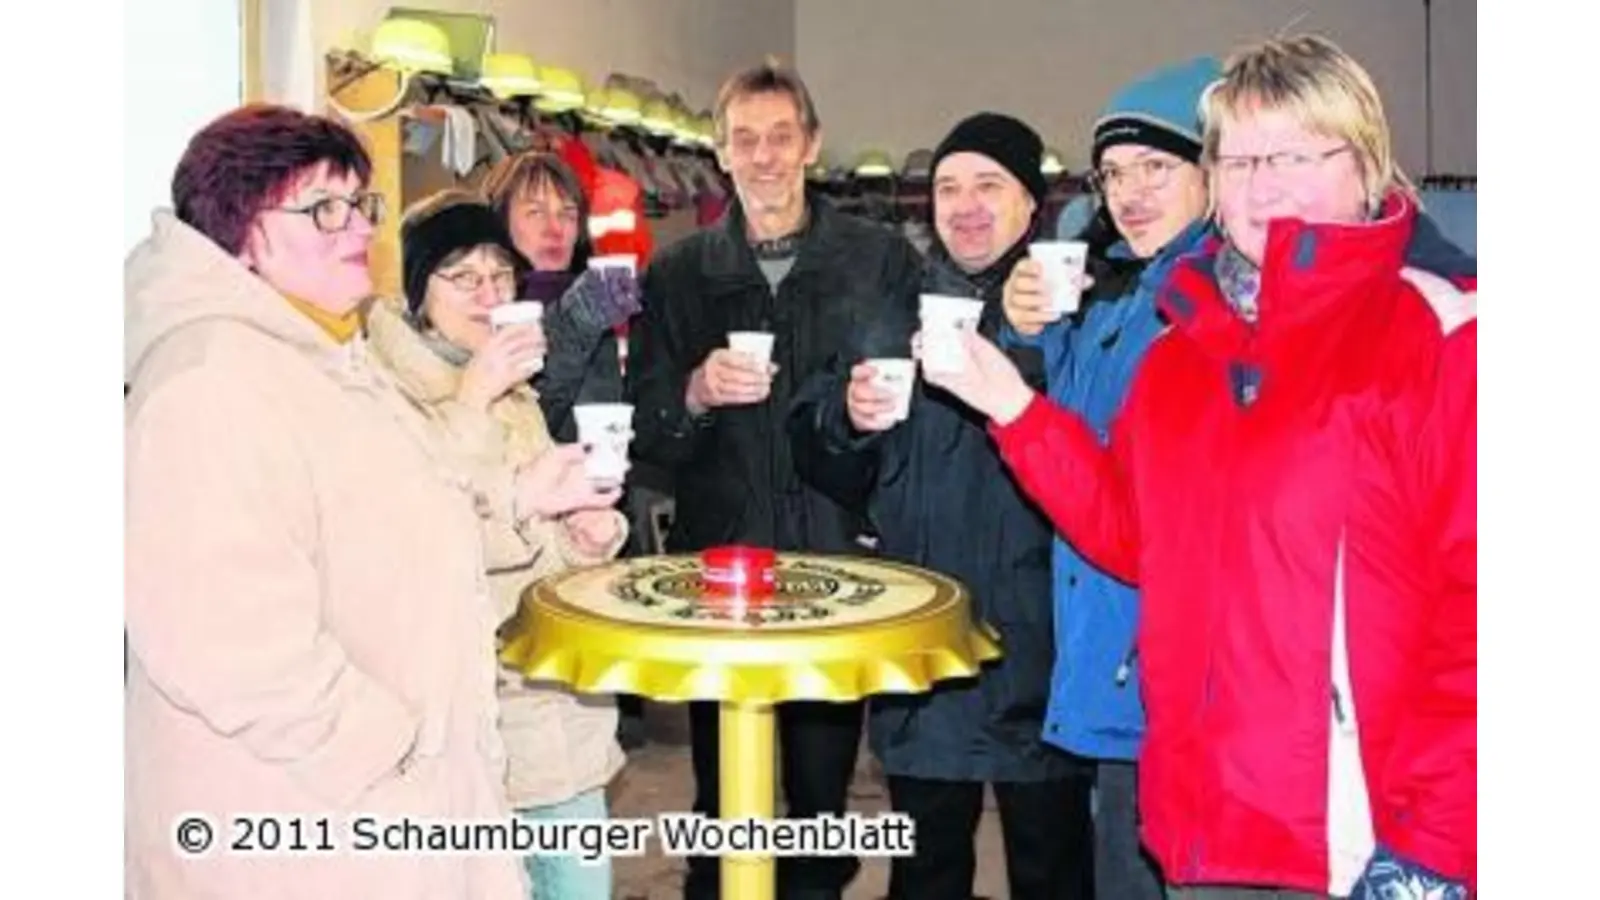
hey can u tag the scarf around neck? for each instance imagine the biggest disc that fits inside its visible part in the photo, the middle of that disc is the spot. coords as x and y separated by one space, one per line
340 328
546 287
450 353
1240 281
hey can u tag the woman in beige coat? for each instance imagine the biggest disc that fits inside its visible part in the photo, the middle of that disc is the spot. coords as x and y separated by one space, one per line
311 633
459 264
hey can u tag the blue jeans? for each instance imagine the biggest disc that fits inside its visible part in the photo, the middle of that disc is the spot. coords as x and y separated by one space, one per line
569 877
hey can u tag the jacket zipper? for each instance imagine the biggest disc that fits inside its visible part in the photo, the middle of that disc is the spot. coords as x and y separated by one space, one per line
1343 713
1338 711
1125 670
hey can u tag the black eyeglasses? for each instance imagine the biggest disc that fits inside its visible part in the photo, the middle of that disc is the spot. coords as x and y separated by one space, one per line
467 281
332 214
1151 174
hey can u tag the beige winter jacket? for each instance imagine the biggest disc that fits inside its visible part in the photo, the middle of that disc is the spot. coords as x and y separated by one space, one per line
310 628
558 744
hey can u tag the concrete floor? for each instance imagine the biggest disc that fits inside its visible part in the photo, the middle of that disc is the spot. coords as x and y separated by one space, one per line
658 779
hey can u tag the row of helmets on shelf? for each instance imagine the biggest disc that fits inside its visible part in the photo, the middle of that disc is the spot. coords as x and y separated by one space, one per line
417 46
414 45
878 166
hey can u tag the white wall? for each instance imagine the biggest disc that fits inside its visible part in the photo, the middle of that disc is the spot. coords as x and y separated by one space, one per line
687 46
291 64
1053 63
169 96
1455 87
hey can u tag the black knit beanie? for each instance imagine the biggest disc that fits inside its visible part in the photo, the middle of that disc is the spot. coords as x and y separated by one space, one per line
426 242
1016 147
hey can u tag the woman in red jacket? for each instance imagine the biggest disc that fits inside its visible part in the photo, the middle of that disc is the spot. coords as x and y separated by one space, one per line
1292 484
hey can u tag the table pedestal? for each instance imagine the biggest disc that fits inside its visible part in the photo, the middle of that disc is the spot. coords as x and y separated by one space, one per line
747 789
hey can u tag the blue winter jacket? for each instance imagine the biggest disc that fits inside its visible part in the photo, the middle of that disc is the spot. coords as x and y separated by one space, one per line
1090 360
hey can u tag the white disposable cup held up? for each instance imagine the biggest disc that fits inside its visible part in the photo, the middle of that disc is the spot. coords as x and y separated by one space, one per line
943 320
896 376
756 344
1063 263
522 312
614 261
605 429
519 313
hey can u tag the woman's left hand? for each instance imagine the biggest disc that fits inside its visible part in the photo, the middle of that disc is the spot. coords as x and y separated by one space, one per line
623 293
593 531
602 299
988 381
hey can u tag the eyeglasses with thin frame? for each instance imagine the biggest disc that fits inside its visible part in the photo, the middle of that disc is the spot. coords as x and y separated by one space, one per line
1288 163
332 214
1151 174
469 281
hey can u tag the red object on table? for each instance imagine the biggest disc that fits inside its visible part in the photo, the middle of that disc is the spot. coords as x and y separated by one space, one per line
739 573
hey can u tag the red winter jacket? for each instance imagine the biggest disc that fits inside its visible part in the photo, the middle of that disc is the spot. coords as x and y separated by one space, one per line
1298 504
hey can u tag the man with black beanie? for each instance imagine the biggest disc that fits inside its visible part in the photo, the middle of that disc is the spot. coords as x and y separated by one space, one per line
939 497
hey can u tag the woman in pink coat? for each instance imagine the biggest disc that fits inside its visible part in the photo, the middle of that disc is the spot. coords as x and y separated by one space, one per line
310 627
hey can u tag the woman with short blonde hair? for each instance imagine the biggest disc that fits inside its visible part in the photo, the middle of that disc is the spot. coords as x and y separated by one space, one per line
1292 485
1317 85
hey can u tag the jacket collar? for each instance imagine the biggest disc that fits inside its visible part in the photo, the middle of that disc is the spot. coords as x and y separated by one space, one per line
730 259
1120 275
989 284
178 276
1185 241
1318 276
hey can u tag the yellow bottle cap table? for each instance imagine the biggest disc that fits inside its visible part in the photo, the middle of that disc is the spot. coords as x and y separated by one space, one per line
838 629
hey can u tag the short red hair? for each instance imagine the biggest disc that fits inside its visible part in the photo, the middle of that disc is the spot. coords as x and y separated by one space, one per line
248 159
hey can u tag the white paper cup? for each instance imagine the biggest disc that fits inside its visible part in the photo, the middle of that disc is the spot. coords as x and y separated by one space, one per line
522 312
614 261
943 320
605 429
756 344
1063 263
896 376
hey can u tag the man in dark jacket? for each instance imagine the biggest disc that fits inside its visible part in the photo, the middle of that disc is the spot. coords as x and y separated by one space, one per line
939 496
784 263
